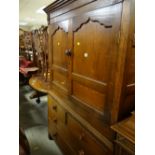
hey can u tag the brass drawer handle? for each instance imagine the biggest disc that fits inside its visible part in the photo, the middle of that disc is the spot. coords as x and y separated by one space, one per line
55 107
81 152
55 120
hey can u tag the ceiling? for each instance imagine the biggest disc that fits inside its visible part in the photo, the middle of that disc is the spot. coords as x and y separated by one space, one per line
31 15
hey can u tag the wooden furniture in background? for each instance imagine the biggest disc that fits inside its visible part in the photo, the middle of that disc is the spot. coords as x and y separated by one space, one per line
37 49
40 86
21 42
28 45
28 40
39 82
91 61
25 44
125 139
40 41
43 38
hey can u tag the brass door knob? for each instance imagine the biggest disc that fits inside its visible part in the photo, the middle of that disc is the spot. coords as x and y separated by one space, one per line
68 52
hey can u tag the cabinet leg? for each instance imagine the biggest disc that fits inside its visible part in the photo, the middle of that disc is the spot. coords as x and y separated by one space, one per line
38 100
38 97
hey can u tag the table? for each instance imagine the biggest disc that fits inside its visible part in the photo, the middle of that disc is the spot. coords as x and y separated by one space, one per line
125 136
39 84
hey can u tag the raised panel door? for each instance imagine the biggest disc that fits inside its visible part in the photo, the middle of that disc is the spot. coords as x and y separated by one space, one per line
59 59
95 42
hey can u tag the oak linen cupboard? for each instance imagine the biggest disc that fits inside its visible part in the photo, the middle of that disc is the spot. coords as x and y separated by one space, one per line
91 61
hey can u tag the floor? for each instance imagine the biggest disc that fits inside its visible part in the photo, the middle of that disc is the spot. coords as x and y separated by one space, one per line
33 119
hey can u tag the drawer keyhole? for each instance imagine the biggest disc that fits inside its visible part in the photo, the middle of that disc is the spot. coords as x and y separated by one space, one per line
55 120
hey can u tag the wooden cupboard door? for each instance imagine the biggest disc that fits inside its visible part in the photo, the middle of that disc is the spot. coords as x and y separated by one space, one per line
95 40
59 43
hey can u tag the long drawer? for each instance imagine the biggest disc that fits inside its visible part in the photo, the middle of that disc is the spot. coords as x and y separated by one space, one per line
83 141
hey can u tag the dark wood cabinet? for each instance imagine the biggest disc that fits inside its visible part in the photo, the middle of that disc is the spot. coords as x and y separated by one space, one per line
91 60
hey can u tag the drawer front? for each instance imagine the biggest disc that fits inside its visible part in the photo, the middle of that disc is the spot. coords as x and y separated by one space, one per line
56 117
82 141
52 107
56 126
55 111
52 128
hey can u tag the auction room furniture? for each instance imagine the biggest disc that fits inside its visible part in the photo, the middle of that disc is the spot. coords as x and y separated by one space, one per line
91 61
39 82
125 139
41 87
40 46
26 69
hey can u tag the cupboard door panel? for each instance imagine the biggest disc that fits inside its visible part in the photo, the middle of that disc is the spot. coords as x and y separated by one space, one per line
59 59
59 47
87 95
92 55
60 79
94 60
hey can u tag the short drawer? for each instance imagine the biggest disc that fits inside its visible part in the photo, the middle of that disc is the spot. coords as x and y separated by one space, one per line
52 105
52 128
55 110
56 117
